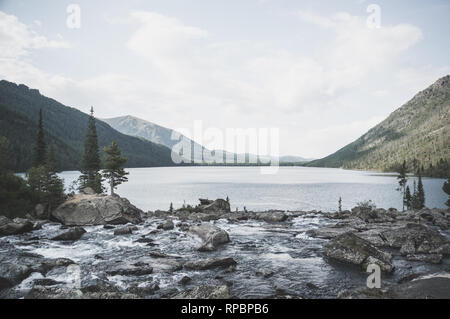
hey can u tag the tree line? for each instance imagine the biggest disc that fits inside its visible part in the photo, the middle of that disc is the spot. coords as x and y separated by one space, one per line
415 199
42 185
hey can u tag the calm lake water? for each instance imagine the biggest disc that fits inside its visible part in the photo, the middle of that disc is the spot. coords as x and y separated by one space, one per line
291 188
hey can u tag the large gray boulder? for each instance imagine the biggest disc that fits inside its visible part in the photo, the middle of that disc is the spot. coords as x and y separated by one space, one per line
14 227
85 209
352 249
211 235
418 242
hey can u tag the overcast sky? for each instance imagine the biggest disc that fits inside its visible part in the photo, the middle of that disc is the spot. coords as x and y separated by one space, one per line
314 69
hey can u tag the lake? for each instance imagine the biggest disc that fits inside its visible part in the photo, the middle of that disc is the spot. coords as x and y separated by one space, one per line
291 188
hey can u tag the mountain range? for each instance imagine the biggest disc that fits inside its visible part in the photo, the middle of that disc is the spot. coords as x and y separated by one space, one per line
134 126
65 128
418 132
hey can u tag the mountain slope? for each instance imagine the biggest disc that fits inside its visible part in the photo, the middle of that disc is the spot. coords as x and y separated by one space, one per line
418 132
66 128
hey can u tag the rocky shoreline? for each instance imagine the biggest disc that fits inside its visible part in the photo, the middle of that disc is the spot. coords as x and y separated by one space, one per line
207 251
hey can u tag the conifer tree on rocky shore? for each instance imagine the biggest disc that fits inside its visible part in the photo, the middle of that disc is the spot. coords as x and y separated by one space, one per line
90 165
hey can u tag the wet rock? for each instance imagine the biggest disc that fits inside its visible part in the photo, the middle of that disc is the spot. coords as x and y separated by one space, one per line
113 295
210 263
432 286
185 280
206 292
44 292
429 258
328 232
37 225
144 290
266 273
143 240
124 230
12 274
131 271
183 226
310 285
168 225
272 217
416 239
17 226
46 282
212 236
97 210
352 249
73 234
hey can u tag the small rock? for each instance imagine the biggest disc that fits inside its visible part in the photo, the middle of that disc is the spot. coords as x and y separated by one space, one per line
168 225
185 280
210 263
73 234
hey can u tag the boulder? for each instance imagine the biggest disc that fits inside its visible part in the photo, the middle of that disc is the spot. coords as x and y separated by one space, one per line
435 286
210 263
12 274
97 210
127 230
218 205
414 239
211 235
352 249
206 292
14 227
272 217
168 225
73 234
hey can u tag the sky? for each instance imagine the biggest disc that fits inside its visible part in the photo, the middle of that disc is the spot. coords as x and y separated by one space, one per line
322 72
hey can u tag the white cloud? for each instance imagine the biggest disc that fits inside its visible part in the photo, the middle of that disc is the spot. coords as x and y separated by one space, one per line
16 38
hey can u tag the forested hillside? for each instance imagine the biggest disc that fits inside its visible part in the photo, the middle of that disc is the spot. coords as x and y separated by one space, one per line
418 132
65 128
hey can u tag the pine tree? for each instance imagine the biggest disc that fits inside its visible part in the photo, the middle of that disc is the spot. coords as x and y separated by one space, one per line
114 163
53 185
420 194
446 189
171 208
39 154
402 180
90 166
408 198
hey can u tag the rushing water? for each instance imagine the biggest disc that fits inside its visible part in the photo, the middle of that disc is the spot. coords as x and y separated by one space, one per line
294 259
285 250
291 188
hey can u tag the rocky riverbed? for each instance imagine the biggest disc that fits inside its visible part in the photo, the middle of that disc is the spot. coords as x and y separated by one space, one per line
118 251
